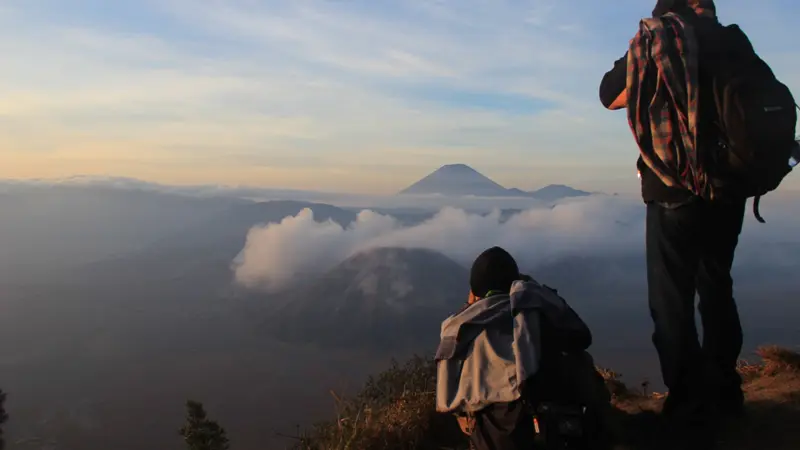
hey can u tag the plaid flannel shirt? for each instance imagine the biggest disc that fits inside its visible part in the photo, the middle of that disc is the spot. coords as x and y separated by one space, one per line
662 90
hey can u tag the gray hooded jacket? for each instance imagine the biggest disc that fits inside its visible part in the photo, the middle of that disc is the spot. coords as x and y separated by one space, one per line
491 347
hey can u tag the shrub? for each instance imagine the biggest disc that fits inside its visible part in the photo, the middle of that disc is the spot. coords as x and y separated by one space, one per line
394 411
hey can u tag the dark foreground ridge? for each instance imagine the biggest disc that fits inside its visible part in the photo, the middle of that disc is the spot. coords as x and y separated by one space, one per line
395 411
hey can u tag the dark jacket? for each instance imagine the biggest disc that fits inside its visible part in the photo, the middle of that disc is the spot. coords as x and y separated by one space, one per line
711 42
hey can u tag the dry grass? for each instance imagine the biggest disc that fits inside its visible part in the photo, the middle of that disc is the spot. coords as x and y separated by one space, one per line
614 383
395 411
772 392
778 360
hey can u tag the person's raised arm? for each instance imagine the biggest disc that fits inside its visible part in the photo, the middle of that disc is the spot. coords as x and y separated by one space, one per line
613 85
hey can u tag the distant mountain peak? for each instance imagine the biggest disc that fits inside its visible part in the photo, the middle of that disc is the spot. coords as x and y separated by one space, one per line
558 191
456 179
462 180
457 168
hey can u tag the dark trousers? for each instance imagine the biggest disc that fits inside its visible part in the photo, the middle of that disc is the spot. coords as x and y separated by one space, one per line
690 250
503 426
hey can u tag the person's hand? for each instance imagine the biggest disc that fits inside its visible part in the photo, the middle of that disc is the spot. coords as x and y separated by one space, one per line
620 103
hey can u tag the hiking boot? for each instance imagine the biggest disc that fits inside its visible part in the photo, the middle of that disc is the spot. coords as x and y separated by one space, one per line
689 425
699 441
680 408
695 435
674 405
731 410
728 396
730 406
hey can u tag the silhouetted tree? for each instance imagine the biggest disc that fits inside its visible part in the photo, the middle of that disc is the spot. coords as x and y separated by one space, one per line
3 418
201 433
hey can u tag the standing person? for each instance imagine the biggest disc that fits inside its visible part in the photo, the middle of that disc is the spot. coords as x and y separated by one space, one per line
695 190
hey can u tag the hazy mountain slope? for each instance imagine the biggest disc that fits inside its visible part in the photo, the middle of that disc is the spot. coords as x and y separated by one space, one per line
384 298
229 228
205 250
47 229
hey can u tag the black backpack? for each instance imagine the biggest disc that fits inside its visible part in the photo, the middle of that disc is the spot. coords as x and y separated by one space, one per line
570 404
757 120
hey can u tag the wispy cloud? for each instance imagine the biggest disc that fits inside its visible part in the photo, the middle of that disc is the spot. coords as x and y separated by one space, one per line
336 85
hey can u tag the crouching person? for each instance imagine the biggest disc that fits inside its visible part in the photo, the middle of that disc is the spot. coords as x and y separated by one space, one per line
513 366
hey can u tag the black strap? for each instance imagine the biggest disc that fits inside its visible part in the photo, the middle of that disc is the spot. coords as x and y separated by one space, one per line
756 204
757 198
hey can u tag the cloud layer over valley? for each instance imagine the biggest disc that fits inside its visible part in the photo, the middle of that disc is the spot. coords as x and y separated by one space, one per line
593 227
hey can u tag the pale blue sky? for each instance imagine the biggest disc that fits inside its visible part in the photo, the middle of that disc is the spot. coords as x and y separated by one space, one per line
346 95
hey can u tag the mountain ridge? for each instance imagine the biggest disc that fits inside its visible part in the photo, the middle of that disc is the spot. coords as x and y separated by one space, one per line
463 180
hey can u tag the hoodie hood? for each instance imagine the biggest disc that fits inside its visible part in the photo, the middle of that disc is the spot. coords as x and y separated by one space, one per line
459 330
488 350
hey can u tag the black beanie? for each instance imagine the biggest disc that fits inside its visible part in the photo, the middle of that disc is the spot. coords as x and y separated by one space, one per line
666 6
493 270
682 6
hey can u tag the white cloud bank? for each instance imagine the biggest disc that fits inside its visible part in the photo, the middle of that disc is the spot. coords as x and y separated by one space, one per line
604 227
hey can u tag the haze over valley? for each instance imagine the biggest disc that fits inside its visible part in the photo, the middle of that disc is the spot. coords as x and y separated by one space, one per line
255 203
122 300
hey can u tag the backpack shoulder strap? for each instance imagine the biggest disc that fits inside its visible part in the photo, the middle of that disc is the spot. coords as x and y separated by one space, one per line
756 211
757 199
